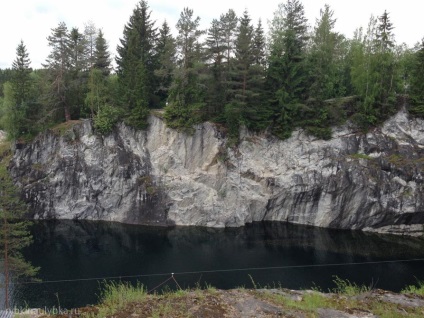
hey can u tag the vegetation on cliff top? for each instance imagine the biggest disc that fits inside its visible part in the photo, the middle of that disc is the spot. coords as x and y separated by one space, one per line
233 74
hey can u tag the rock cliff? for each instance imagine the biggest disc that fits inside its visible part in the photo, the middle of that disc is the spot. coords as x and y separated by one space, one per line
371 181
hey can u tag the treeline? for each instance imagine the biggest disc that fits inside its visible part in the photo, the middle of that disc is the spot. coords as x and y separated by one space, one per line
231 74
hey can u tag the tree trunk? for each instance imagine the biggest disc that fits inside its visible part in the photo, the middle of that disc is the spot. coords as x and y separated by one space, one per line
6 266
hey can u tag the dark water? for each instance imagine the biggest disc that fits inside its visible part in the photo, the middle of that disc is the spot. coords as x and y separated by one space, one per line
68 250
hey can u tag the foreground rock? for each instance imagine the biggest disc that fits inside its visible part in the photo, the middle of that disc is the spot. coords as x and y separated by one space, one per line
243 303
371 181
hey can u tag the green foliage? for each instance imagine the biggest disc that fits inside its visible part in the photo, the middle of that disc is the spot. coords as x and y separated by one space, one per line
325 58
183 118
286 76
137 59
97 94
101 54
186 98
417 289
166 51
16 109
106 118
137 117
417 82
345 287
14 234
116 295
227 79
361 156
417 110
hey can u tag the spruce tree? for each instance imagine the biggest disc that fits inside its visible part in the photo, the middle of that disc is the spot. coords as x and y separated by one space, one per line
259 45
244 58
166 63
21 79
101 54
324 76
417 82
16 115
385 67
286 75
258 114
228 25
136 63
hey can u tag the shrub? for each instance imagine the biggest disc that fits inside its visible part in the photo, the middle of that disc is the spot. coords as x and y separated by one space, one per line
106 119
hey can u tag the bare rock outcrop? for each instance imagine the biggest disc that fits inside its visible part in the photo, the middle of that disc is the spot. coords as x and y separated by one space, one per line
372 181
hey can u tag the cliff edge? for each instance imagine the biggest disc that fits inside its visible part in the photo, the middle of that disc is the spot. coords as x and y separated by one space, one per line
160 176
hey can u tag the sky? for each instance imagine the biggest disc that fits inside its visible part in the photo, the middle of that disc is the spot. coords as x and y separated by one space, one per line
32 20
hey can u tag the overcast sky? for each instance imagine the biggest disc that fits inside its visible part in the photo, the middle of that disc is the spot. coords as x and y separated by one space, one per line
32 20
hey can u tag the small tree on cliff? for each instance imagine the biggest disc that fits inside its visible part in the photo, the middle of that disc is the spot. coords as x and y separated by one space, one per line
14 234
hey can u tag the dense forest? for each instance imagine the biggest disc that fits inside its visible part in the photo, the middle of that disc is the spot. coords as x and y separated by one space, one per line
232 74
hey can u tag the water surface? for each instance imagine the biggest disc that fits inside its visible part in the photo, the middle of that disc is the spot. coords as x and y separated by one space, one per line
75 250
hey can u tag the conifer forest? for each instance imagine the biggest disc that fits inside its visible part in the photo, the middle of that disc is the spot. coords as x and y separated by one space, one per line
298 74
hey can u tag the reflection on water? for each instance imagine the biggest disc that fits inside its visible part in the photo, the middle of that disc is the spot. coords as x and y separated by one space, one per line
68 250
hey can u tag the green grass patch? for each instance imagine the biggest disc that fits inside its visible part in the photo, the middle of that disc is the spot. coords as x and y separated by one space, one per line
345 287
62 128
116 296
360 156
417 289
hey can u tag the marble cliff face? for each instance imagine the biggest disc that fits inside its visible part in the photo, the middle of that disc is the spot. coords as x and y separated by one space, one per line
160 176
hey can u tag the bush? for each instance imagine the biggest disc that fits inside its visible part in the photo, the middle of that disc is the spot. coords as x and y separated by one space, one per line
417 111
183 117
106 119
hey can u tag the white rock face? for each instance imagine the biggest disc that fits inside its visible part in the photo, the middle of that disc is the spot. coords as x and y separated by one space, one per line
162 176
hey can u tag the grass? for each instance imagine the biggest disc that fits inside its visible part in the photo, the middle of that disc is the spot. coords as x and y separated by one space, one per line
5 153
118 294
121 300
62 128
115 297
361 156
345 287
417 289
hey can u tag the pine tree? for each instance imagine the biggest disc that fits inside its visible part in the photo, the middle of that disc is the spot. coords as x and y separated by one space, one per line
14 234
215 55
228 24
78 72
186 94
58 65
